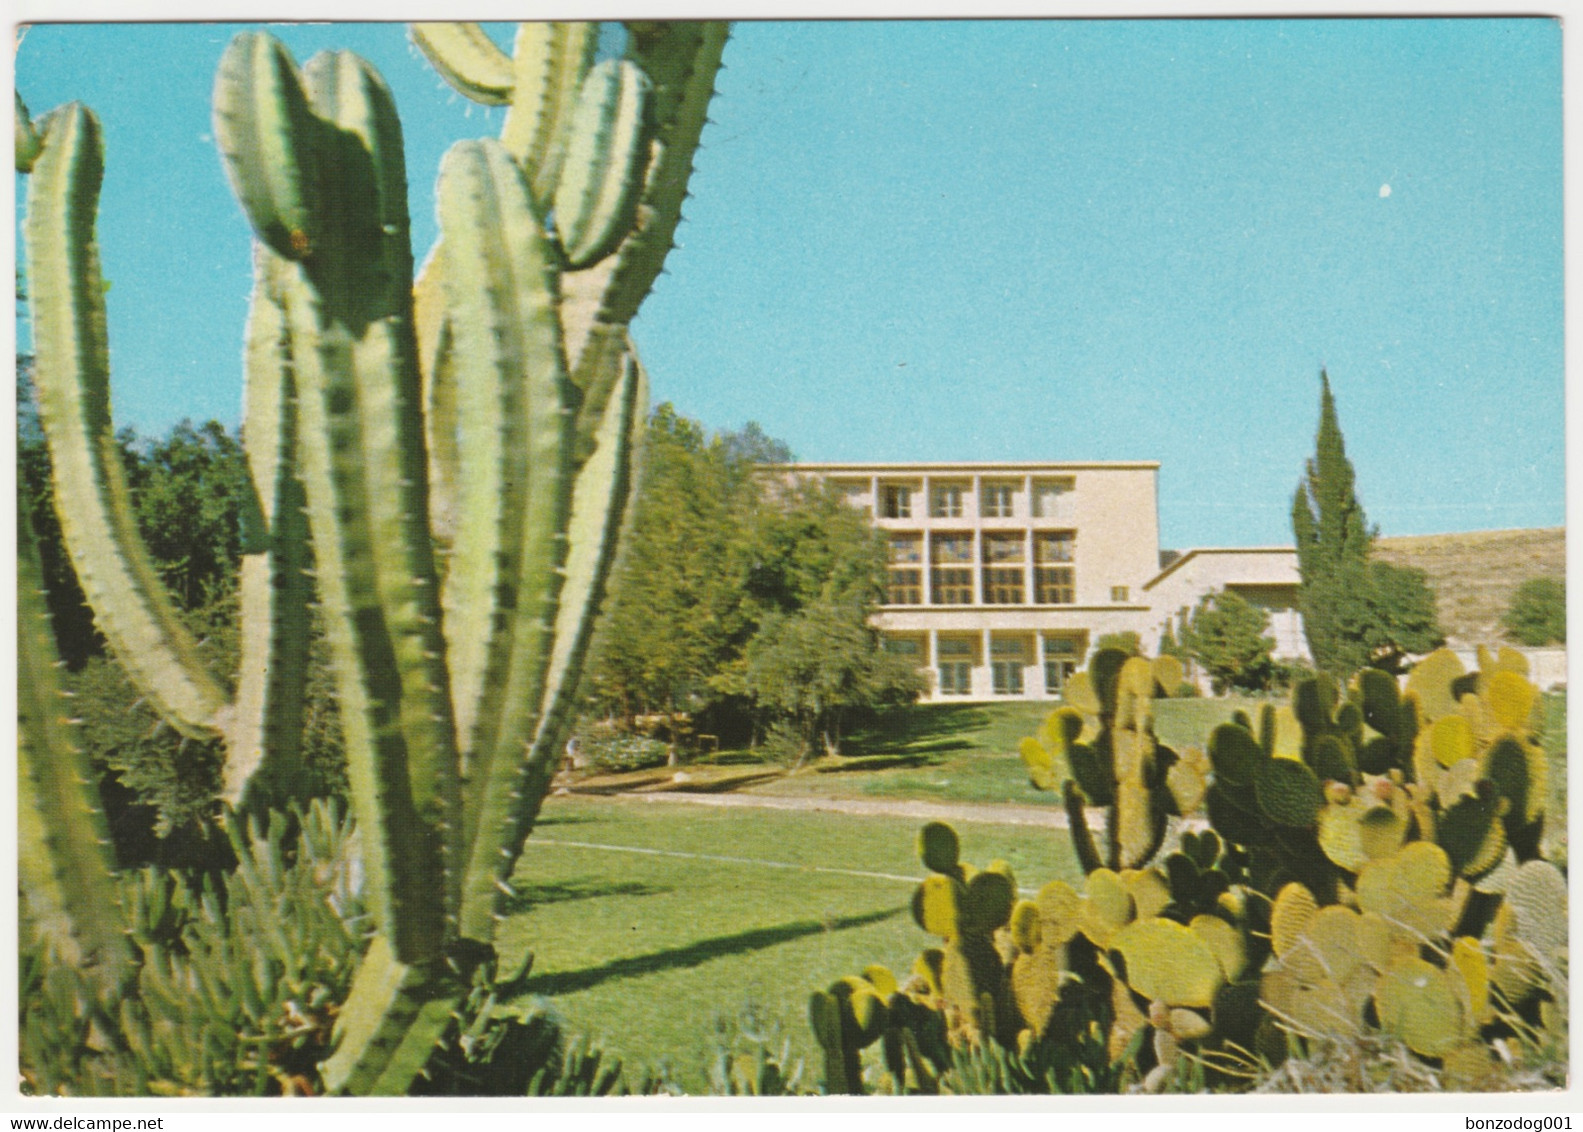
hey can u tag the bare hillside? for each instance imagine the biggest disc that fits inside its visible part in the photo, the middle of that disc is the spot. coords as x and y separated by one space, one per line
1474 574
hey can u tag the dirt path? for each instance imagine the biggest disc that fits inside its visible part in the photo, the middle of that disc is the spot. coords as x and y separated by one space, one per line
1046 816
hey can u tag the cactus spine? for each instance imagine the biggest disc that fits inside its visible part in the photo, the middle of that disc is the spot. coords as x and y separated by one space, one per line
504 383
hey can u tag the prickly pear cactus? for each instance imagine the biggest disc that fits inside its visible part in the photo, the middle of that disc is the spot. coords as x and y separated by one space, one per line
1479 770
1105 738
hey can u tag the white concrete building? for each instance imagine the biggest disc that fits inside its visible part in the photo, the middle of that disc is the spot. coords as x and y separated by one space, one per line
1003 575
1265 575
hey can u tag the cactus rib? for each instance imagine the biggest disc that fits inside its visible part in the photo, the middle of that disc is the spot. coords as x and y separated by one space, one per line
600 508
549 62
275 586
503 584
271 143
63 843
73 381
602 172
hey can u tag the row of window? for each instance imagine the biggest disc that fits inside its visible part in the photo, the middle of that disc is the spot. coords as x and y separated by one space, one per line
998 546
997 500
1008 660
1004 578
1003 585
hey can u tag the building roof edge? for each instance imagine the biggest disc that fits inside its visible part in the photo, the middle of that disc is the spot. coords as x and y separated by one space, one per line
1202 550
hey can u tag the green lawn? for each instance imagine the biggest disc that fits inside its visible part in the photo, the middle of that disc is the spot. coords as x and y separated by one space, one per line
655 925
968 752
649 951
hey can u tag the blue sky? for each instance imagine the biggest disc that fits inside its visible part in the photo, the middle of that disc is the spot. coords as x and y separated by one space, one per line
1020 240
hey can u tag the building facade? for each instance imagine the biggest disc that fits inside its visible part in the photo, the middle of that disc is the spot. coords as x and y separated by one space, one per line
1002 576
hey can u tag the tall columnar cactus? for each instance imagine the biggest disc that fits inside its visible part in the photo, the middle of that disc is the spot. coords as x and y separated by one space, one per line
457 454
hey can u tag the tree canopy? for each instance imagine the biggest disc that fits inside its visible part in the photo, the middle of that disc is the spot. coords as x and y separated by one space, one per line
1225 635
742 596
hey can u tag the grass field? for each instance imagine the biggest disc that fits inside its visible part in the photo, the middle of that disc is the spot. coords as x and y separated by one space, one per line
968 752
655 925
683 916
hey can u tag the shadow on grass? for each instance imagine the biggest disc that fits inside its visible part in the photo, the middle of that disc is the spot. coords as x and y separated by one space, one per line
535 895
563 817
877 762
694 954
919 731
720 786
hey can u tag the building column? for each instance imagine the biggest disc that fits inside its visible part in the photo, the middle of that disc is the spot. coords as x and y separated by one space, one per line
933 665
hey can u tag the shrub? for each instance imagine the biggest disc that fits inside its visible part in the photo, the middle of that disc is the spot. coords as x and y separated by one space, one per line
1226 636
605 747
1538 612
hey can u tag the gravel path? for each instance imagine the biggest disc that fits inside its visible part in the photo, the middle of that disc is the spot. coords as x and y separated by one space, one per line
1049 817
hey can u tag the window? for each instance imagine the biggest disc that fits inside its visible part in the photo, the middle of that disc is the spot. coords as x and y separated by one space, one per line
906 549
904 586
1061 655
945 501
909 647
1052 546
1050 498
904 583
895 501
1052 584
1007 656
956 666
997 500
1118 593
951 557
1003 581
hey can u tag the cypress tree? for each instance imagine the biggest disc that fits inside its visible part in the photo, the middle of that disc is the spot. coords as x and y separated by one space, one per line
1355 612
1327 518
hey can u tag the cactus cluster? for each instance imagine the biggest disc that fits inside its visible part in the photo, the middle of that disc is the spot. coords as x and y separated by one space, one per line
443 466
1109 965
1370 867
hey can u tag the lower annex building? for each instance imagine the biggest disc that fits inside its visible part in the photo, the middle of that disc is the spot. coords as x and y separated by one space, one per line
1004 575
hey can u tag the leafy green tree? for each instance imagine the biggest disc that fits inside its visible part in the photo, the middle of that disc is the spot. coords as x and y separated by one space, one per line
814 659
742 597
1225 635
817 666
1538 612
1356 612
676 609
1327 519
188 489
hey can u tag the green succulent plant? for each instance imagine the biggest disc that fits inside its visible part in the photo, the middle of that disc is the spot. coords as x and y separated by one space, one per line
458 454
1121 767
